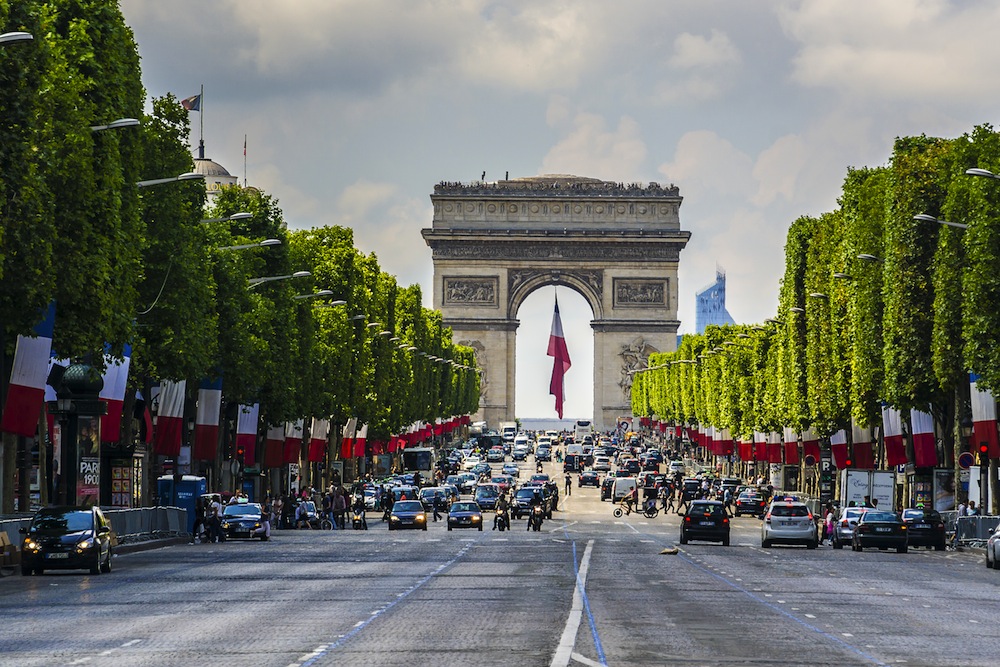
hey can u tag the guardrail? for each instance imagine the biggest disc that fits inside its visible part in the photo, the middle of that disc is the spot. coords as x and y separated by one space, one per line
130 525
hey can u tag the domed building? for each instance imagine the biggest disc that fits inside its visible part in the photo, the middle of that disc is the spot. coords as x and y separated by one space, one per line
216 176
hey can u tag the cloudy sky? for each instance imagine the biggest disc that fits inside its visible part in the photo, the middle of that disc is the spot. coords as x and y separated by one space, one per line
354 109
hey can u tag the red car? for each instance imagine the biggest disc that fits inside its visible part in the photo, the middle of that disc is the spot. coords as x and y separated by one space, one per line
589 478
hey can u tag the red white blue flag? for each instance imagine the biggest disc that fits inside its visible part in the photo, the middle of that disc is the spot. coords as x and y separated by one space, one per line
984 419
293 440
115 381
838 448
892 434
246 433
169 418
560 360
26 391
192 103
318 434
924 444
206 422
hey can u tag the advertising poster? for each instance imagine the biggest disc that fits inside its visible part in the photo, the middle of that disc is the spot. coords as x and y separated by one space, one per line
89 483
944 489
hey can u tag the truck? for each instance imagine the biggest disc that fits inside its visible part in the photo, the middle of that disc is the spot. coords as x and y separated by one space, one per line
878 485
582 429
508 430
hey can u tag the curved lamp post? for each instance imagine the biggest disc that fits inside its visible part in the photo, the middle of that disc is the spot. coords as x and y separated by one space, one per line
116 124
254 282
229 218
188 176
244 246
923 217
8 37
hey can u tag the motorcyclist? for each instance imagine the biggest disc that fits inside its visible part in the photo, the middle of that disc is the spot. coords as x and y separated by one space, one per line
501 512
538 466
358 508
388 500
536 501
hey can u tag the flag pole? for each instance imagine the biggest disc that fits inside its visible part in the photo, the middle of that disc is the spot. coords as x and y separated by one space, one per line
244 160
201 123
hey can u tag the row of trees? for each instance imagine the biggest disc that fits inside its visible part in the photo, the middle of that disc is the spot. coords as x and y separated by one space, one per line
875 306
129 265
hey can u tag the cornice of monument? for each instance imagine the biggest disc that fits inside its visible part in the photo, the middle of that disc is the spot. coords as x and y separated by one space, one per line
557 185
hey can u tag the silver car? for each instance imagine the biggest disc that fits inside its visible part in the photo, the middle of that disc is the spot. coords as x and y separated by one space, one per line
843 527
788 522
993 550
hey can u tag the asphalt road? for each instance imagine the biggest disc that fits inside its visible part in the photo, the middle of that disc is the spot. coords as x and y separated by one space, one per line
587 590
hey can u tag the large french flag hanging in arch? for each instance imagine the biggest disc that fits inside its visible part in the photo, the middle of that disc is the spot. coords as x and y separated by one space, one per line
26 391
560 360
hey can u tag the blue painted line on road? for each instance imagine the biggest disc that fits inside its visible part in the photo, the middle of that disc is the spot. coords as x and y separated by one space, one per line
361 625
586 608
757 598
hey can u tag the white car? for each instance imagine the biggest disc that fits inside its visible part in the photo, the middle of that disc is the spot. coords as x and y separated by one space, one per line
788 523
602 464
677 467
471 462
993 550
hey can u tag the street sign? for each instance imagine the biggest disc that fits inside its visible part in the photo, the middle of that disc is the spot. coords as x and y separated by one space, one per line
966 460
810 460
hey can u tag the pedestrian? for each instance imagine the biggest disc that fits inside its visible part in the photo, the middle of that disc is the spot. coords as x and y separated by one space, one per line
328 505
569 484
387 503
199 518
214 518
972 510
438 504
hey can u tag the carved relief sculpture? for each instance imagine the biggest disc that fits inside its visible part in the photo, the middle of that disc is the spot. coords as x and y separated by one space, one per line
634 357
640 293
470 291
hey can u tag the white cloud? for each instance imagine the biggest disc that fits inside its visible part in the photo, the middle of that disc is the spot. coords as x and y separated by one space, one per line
705 163
591 149
358 199
777 169
692 51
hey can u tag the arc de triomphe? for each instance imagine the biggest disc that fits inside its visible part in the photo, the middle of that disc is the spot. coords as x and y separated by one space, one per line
617 245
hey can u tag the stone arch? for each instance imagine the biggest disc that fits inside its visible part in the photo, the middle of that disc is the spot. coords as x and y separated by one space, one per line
586 284
617 245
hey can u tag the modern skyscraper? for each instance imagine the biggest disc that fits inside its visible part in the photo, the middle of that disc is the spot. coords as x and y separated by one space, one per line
710 304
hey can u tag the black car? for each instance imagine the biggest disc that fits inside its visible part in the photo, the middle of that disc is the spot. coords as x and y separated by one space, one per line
523 501
67 538
924 528
243 520
543 453
589 478
883 530
408 514
487 496
706 520
750 502
465 515
606 487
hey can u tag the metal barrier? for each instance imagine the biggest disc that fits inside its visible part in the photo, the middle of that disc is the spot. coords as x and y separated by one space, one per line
130 525
975 528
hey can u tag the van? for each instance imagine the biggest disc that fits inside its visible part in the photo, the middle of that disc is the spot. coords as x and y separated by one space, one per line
622 487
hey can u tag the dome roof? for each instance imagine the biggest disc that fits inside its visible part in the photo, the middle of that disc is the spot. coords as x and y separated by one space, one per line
209 168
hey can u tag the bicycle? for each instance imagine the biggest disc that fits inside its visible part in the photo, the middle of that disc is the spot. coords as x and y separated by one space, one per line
650 511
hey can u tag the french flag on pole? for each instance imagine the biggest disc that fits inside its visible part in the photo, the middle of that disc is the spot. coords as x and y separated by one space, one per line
347 438
560 360
892 433
359 442
115 381
274 456
293 440
206 423
170 418
317 439
246 433
924 446
791 439
838 447
26 392
984 418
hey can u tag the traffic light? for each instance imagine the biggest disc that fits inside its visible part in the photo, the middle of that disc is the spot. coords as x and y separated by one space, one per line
984 453
240 451
849 462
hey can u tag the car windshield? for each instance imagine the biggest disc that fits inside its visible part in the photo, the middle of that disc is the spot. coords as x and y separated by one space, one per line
882 517
465 507
486 491
238 510
916 515
525 493
789 510
707 510
71 521
408 506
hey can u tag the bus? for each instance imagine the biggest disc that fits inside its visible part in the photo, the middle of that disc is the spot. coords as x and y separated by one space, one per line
418 459
581 429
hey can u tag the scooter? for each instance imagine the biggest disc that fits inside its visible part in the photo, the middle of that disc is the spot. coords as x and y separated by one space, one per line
502 521
536 518
358 521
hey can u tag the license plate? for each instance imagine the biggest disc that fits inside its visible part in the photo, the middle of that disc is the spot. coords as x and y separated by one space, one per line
883 530
921 525
706 523
57 555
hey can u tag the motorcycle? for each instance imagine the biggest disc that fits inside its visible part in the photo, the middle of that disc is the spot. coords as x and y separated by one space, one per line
502 521
536 518
358 521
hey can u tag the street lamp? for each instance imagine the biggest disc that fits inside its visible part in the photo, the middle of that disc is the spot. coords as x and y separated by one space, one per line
321 293
923 217
16 37
188 176
865 257
261 244
228 218
984 173
796 309
818 295
116 124
357 318
260 281
843 276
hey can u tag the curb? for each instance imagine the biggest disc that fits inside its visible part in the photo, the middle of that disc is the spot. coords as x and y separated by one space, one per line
148 545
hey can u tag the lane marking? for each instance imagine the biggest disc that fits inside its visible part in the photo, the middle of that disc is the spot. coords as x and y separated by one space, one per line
586 661
564 652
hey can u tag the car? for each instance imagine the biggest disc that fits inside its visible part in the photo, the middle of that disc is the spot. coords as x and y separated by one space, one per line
607 487
705 520
505 482
471 462
540 477
482 469
495 455
749 502
631 466
589 478
465 515
843 527
67 537
243 520
405 493
511 469
429 493
924 528
880 529
521 504
788 523
543 453
690 489
487 496
408 514
451 492
993 550
370 499
519 454
467 482
676 467
602 463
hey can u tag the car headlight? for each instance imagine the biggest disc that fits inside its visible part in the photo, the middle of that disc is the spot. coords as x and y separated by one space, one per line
225 525
31 545
83 545
393 517
476 518
419 517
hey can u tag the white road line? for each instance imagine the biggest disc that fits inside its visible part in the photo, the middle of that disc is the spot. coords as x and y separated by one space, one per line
582 659
564 652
